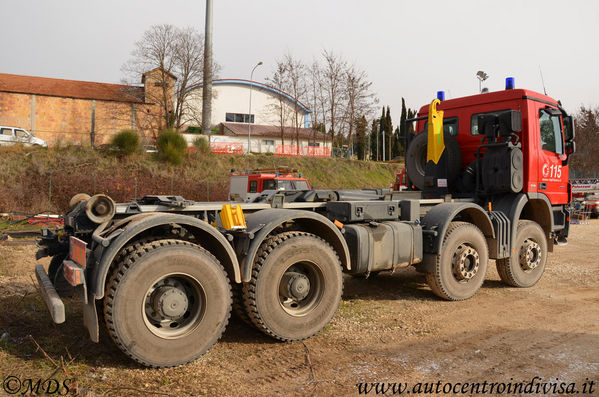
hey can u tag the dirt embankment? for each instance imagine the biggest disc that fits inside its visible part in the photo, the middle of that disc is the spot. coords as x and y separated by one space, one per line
46 179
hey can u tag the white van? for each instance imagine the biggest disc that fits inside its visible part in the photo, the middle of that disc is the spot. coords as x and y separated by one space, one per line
12 135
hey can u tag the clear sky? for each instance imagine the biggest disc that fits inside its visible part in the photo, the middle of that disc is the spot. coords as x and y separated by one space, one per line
408 48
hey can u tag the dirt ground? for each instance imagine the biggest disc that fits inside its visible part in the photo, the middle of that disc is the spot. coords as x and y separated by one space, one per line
389 328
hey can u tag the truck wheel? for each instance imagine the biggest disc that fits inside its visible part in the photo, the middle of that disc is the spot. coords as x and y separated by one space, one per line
416 158
167 303
56 275
461 266
238 307
526 265
296 286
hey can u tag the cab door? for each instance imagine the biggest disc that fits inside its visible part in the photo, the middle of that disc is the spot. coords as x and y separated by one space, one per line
23 136
552 174
7 136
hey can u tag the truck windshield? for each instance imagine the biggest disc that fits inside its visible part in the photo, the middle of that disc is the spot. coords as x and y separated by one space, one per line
268 184
474 120
284 185
450 126
551 132
301 185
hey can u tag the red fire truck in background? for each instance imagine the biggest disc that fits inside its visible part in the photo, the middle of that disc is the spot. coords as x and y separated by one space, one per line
249 185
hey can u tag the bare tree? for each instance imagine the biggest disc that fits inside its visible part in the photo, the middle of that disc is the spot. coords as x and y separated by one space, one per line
189 57
360 100
296 81
278 80
318 98
333 77
175 56
584 164
156 51
338 93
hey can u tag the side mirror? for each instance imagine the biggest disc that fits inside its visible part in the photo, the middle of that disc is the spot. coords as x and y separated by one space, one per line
570 147
510 121
569 133
506 123
486 125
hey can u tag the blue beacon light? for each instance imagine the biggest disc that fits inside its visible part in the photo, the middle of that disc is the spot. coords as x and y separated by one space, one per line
441 95
510 83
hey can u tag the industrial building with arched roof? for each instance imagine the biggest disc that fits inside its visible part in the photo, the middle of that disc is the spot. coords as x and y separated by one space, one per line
277 123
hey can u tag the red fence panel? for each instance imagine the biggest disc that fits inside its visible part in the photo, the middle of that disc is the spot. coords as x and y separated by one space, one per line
226 147
317 151
288 150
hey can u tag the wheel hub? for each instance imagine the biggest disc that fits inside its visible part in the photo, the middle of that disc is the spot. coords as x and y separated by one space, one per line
465 262
530 255
170 302
295 286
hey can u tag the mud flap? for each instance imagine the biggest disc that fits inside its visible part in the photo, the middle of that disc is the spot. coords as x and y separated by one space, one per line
90 318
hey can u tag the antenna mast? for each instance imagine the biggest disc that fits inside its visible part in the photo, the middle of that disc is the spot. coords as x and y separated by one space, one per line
542 80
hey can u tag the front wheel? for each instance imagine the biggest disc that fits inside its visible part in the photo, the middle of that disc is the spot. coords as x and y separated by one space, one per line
167 302
296 286
526 265
461 266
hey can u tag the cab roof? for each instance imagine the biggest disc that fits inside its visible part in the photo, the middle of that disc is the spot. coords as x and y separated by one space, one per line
271 175
489 97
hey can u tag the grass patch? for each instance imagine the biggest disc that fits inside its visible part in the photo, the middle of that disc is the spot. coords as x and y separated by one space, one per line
37 180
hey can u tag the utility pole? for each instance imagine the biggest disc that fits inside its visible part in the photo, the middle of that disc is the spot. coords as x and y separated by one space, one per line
207 86
250 110
384 149
367 158
377 141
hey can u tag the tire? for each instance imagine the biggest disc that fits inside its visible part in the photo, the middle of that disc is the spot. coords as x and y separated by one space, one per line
167 303
461 266
525 267
416 159
238 307
277 300
122 256
56 275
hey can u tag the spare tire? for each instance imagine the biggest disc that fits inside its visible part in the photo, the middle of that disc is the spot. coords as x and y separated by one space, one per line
416 159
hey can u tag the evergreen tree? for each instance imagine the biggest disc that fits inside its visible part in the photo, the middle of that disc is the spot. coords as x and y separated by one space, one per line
402 123
388 135
380 133
400 132
360 140
397 143
373 139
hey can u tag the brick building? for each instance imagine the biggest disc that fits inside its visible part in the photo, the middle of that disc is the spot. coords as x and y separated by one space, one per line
80 112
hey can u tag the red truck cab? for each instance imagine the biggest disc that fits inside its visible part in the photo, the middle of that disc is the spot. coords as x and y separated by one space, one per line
546 135
251 184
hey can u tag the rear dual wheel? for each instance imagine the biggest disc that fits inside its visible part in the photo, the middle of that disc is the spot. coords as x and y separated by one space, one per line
296 286
167 303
